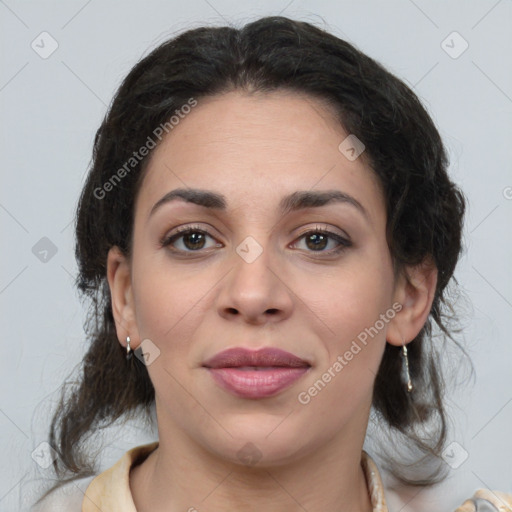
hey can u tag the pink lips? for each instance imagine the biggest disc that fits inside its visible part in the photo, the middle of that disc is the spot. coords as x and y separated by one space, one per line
255 374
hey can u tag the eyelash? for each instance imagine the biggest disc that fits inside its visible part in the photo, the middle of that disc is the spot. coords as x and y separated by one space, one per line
180 232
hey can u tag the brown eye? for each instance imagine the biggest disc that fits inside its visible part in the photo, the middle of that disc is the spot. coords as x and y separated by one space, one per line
194 240
189 239
318 240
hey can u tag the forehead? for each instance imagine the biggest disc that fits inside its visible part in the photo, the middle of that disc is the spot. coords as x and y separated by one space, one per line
255 148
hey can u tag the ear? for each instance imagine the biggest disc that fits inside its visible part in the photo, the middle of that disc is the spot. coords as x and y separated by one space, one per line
121 293
414 290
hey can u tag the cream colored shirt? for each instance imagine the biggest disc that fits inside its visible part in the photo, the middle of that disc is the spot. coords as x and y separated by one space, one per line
110 491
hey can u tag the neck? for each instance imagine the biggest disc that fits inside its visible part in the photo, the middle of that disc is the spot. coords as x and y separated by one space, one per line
182 476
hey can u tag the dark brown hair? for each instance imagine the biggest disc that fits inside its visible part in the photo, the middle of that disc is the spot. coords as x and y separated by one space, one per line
403 147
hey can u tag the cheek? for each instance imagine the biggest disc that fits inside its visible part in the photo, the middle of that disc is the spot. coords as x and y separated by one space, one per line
351 298
169 313
348 358
355 309
167 303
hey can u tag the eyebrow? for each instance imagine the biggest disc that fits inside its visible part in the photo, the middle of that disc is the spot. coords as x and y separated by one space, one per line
296 201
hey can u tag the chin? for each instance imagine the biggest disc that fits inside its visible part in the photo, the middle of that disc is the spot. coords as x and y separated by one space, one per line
259 443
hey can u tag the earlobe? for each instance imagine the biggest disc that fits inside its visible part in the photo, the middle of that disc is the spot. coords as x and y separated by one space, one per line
415 291
121 294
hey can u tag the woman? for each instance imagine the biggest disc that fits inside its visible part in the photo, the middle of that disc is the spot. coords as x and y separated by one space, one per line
268 226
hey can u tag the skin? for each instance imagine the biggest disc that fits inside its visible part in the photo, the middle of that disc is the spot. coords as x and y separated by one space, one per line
254 149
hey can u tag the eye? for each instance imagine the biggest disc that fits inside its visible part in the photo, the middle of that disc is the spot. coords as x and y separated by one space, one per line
194 239
191 239
317 240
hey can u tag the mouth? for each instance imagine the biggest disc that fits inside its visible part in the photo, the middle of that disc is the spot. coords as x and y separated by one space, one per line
256 374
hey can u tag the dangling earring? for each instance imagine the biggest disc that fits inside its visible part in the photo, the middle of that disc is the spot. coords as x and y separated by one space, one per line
409 383
129 352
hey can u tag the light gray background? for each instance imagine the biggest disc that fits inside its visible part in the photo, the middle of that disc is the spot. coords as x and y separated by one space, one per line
50 109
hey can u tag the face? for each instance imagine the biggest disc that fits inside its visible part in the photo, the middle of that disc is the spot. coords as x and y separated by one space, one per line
261 265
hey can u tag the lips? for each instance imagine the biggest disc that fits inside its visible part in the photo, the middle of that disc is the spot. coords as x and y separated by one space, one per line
255 374
263 358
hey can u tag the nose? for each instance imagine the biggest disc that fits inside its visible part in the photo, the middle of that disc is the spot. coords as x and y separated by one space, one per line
255 292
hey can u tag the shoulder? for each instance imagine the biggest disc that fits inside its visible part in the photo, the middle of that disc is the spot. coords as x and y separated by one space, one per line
67 498
109 488
484 499
389 498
